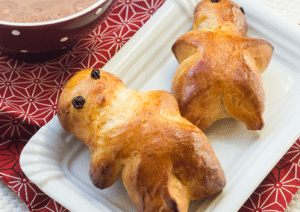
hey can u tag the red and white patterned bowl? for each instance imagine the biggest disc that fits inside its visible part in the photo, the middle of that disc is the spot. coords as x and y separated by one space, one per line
36 42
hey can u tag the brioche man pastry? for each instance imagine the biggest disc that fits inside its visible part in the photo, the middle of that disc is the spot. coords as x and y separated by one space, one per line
219 73
163 159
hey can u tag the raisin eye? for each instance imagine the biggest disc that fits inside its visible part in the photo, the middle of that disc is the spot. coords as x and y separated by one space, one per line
78 102
242 9
95 74
215 1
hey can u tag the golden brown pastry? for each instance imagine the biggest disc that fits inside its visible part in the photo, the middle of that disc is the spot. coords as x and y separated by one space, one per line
219 72
163 159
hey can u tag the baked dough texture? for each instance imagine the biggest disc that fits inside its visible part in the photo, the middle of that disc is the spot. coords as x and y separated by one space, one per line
164 160
219 73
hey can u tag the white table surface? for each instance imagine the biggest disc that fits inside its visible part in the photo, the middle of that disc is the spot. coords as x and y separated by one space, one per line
289 9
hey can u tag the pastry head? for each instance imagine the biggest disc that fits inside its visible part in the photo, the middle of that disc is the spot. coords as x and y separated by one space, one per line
88 90
216 14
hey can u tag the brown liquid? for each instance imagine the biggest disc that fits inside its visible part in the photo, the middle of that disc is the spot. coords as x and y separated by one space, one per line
32 11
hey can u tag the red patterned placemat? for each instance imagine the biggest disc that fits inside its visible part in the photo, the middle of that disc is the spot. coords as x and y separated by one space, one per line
29 95
279 187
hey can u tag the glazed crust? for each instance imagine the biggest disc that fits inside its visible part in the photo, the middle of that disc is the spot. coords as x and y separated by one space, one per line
219 72
163 159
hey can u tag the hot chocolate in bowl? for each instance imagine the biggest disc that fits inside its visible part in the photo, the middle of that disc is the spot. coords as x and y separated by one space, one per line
40 30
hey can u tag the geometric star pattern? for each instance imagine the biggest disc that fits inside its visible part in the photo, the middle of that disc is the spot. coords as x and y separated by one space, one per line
279 187
12 175
28 100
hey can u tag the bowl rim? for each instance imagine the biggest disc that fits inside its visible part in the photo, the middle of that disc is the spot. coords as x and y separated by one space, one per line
60 20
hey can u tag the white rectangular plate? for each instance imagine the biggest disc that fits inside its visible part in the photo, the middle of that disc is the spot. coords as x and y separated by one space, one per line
58 162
